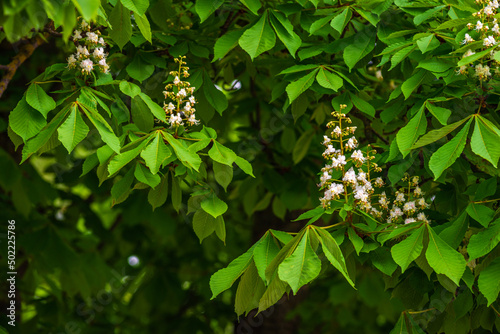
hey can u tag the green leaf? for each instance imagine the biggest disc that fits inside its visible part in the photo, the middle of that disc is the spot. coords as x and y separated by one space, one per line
176 193
412 83
488 282
155 153
356 240
259 38
409 249
435 135
203 224
249 291
298 68
214 205
340 21
88 8
284 30
410 132
144 27
474 57
329 80
224 278
122 159
26 121
483 242
480 213
121 30
294 89
318 24
302 266
141 116
158 196
226 43
205 8
273 293
73 130
38 99
244 165
264 252
441 114
428 43
382 260
145 176
223 174
435 65
139 69
444 259
302 146
333 253
253 5
129 88
419 19
455 233
107 134
222 154
122 188
446 155
220 229
363 44
189 158
155 109
215 97
362 105
401 55
485 140
136 6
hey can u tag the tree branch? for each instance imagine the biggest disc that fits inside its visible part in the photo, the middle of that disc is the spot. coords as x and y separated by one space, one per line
25 52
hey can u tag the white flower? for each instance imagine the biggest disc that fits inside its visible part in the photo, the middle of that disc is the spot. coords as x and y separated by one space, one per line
98 53
468 53
379 182
82 50
409 206
337 162
488 10
92 37
336 189
469 25
176 80
192 120
352 143
409 220
421 217
176 120
418 191
325 177
87 65
400 197
483 72
358 156
329 150
376 213
326 140
496 29
101 41
170 107
383 202
77 34
187 107
489 41
479 25
192 100
494 4
368 186
350 176
71 61
361 194
395 212
467 39
337 131
181 93
84 24
104 65
421 203
361 176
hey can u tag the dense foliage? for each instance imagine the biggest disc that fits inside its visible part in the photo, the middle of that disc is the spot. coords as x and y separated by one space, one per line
317 166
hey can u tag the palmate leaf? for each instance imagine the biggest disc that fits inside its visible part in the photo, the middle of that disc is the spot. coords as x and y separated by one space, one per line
284 30
294 89
129 152
188 158
259 38
264 252
249 292
364 43
73 130
409 249
444 259
226 43
26 121
143 175
434 135
302 266
489 282
447 154
39 99
329 80
275 290
104 129
222 154
485 139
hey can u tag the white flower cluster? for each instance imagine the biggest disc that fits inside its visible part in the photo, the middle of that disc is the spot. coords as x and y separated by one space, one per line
90 53
339 178
482 32
181 109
